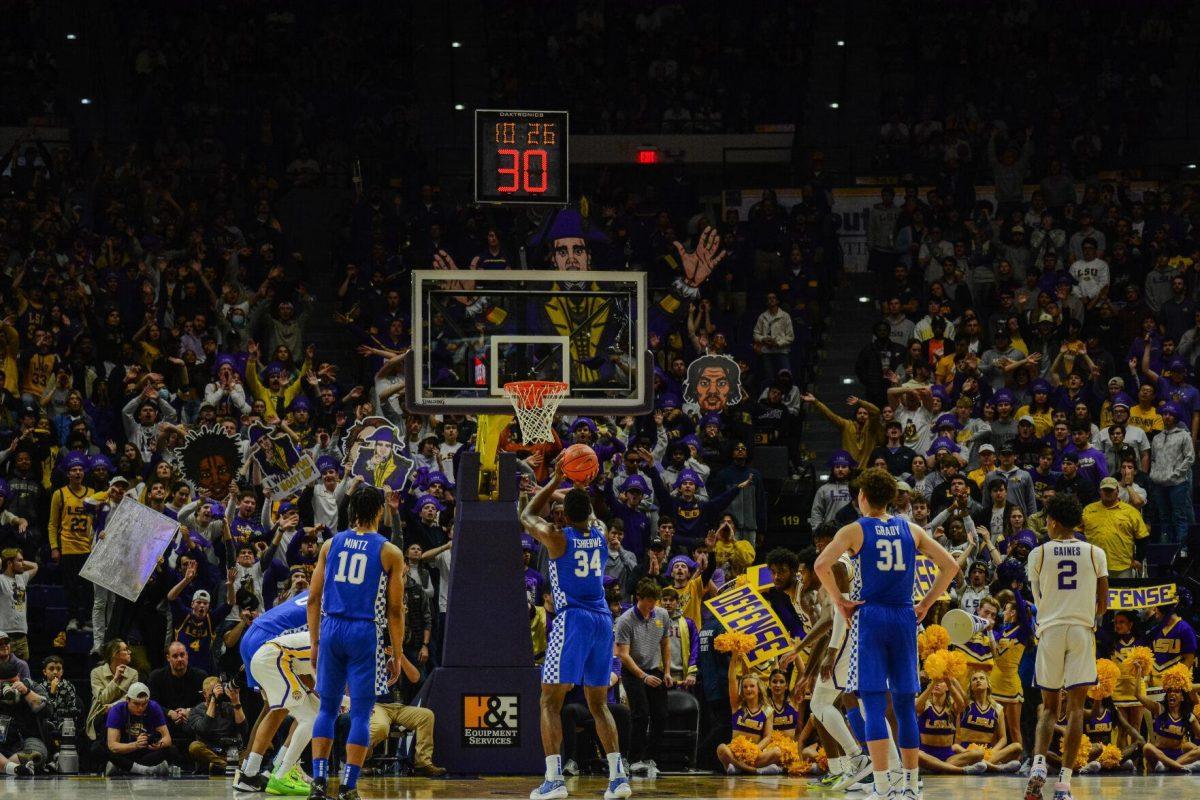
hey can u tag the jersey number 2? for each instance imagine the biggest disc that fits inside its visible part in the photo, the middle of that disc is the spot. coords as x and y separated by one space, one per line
891 556
585 566
357 567
1066 575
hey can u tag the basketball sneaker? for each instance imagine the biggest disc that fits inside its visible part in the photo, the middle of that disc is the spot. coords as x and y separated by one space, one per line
550 790
1033 789
618 789
1062 791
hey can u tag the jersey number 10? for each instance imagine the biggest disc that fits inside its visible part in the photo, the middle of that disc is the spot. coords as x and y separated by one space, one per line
585 566
891 555
357 567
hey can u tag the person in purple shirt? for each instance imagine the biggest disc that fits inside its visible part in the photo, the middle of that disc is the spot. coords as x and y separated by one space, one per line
137 738
626 506
1174 388
1058 440
535 582
693 518
1172 639
1092 463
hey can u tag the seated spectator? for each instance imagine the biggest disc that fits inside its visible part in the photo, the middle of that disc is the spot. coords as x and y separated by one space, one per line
23 705
177 687
7 656
137 740
419 721
62 702
218 723
110 682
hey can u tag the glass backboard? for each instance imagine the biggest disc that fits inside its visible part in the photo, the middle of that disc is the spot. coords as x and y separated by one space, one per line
475 330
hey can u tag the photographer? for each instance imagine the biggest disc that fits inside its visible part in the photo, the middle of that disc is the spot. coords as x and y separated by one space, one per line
217 723
137 740
21 707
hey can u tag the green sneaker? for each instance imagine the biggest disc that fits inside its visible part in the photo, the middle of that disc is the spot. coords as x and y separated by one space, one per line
297 776
283 786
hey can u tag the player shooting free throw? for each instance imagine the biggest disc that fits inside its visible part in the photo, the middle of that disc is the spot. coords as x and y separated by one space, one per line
883 621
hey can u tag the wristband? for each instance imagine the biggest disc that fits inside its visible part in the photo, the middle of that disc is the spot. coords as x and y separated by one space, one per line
239 705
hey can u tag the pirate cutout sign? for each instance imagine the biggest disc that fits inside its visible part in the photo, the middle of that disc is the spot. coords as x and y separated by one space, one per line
713 382
373 453
284 468
210 459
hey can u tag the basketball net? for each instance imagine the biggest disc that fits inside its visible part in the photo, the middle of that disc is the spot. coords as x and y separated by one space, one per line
535 403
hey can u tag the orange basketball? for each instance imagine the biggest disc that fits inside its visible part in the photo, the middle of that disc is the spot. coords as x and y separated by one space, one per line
579 463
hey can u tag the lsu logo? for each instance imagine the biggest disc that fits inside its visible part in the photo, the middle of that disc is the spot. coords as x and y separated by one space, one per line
491 720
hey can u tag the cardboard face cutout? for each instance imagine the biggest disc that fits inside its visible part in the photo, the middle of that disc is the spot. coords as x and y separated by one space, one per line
284 468
210 460
713 382
372 448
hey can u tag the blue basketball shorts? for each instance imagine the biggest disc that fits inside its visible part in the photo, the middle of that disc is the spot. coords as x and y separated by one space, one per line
883 650
251 641
580 650
349 656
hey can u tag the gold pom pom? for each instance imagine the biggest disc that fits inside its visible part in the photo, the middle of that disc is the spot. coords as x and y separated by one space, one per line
1178 678
957 661
745 750
1085 747
822 760
937 637
1110 756
1139 662
937 664
1107 674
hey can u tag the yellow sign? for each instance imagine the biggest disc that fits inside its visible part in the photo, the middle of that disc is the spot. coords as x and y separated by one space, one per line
743 609
1131 598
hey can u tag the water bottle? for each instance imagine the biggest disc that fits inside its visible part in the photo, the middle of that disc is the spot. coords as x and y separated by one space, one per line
68 757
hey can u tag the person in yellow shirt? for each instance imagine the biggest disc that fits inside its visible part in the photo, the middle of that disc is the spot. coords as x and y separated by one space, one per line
1144 414
860 435
277 395
1040 407
987 463
70 531
1118 529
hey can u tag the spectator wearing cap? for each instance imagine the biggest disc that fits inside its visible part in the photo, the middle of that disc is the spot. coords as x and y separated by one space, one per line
1017 480
679 459
281 388
1118 529
226 394
1175 388
693 517
834 494
748 508
70 531
1004 426
1072 481
1172 454
323 499
141 417
860 435
14 578
897 455
7 656
194 623
137 740
425 528
626 504
110 681
1134 437
1027 445
987 463
1145 413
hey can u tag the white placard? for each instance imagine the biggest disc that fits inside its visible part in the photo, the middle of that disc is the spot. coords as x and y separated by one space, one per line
134 538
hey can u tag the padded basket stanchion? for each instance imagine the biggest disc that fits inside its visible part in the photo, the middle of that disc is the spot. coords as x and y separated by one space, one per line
535 403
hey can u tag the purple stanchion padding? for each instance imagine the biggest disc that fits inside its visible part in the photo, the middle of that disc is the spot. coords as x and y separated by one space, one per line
485 695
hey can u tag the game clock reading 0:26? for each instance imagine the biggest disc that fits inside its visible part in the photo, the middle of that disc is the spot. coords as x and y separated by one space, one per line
520 156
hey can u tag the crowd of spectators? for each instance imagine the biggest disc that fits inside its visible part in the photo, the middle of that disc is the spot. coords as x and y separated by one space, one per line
660 67
1093 78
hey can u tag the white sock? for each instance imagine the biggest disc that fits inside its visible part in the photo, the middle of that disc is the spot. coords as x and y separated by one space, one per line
835 766
554 768
615 768
882 783
912 779
11 767
1064 776
252 764
242 766
1039 766
142 769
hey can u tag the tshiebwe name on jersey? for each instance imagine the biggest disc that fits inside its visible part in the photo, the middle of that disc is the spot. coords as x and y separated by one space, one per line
591 544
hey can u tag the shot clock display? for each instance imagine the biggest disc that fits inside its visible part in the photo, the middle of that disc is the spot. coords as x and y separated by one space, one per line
521 156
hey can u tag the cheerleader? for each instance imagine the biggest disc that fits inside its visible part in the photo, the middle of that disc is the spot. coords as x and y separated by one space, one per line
1010 640
1129 686
982 723
1100 722
750 721
980 649
937 709
1175 730
785 718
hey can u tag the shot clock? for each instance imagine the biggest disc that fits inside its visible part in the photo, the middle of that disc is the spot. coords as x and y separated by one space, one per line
521 156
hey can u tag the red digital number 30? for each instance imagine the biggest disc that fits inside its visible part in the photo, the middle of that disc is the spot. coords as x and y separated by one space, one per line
519 171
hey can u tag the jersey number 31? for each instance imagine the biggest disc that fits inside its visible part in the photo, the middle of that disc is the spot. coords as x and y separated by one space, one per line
891 555
585 566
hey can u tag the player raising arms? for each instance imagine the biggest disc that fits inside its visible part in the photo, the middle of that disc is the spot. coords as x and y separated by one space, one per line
882 643
1069 579
580 650
358 587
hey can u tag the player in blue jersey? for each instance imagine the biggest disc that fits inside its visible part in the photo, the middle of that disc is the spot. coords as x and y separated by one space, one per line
882 642
580 650
289 617
357 590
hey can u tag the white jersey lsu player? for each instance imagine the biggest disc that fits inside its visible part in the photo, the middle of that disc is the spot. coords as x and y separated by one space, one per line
1063 574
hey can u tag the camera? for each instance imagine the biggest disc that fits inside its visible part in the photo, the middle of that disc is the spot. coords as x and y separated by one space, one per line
9 694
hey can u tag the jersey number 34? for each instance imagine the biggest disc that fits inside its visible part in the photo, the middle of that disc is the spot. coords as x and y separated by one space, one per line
585 566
